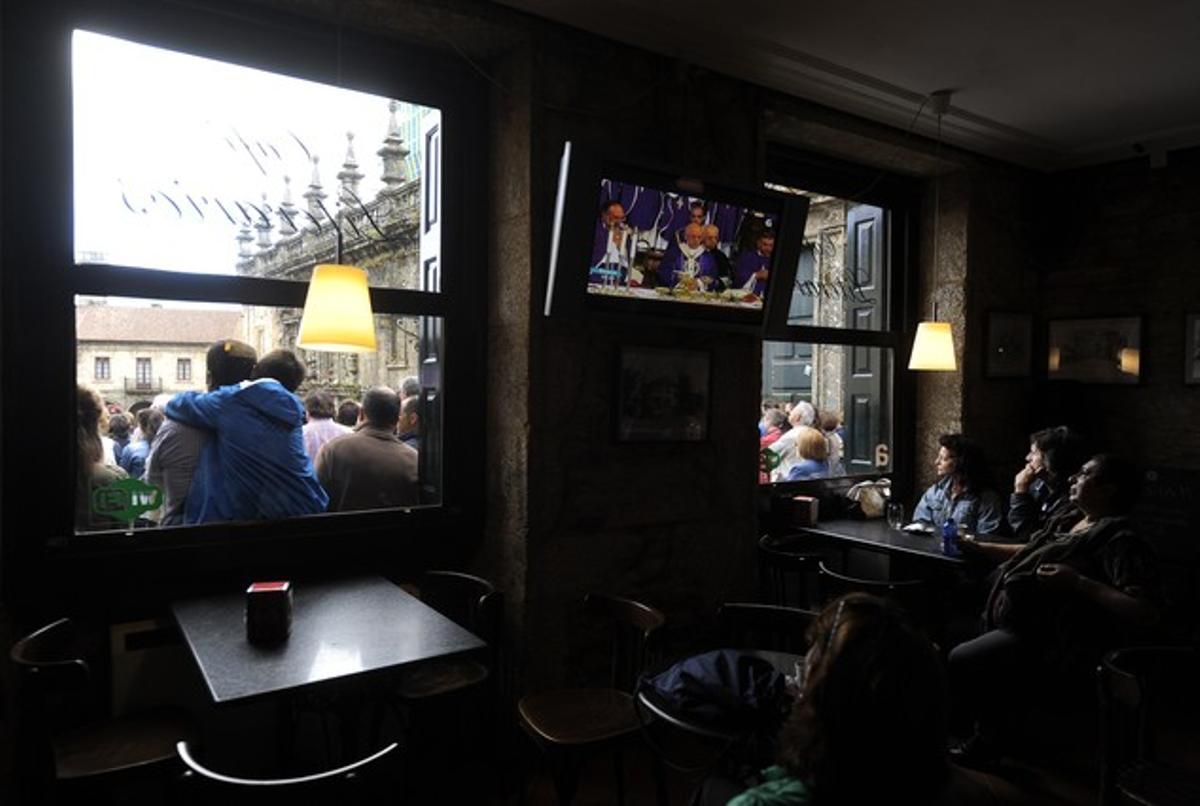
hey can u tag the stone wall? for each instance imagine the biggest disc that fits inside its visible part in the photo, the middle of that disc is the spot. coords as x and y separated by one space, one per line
1123 240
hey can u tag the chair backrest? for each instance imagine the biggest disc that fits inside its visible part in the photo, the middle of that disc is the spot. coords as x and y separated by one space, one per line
469 601
53 652
746 625
55 692
785 573
633 627
348 781
1149 706
911 594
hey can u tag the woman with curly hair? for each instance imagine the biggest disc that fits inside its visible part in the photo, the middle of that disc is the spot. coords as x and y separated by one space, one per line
963 490
869 724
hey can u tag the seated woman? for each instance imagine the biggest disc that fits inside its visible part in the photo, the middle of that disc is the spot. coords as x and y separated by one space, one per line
1084 584
812 451
1040 488
961 492
869 725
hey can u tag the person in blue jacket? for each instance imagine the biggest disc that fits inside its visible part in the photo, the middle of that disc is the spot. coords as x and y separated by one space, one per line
256 466
963 491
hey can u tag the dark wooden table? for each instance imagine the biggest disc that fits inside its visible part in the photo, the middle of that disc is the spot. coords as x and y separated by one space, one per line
341 629
876 535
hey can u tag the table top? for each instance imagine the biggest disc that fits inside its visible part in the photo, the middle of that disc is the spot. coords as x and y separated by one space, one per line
340 629
876 534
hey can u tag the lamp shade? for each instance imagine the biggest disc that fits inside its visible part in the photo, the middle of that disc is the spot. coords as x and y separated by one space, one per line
933 348
337 311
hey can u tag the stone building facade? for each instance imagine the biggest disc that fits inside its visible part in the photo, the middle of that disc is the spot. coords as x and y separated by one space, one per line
131 354
380 235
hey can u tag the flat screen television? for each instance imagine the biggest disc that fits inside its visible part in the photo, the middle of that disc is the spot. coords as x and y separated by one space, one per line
640 241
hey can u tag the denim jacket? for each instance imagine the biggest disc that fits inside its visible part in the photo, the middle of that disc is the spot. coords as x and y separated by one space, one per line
980 513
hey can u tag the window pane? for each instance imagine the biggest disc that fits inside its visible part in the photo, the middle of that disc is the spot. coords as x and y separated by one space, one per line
195 165
135 336
844 391
843 277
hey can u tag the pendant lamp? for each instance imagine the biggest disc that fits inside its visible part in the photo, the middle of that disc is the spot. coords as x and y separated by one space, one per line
337 310
933 345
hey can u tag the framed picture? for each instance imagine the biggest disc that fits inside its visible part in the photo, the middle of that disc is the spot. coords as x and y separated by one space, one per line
1191 349
662 395
1009 345
1095 350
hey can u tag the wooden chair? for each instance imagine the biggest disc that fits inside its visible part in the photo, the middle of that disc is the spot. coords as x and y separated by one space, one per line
785 572
361 781
760 626
469 688
1150 744
72 755
911 594
567 723
474 604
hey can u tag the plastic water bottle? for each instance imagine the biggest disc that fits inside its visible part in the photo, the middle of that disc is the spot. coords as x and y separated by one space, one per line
950 538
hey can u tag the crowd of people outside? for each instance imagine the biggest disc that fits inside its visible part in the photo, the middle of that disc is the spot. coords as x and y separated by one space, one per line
798 443
250 448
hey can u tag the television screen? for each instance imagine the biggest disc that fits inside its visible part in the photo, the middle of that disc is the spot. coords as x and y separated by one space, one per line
672 246
639 240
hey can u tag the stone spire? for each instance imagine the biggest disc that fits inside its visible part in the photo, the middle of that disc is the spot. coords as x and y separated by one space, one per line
287 210
315 194
349 176
394 154
264 225
244 239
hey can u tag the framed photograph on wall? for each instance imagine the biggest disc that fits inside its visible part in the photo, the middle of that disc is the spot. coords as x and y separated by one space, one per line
1095 350
1009 345
662 395
1191 349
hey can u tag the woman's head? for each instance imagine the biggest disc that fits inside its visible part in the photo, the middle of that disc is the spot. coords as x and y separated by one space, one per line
961 459
91 418
871 722
1057 452
774 418
811 444
1105 485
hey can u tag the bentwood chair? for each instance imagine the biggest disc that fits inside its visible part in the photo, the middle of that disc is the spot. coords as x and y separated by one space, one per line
474 604
911 594
566 724
73 755
749 625
1150 743
785 572
442 698
359 782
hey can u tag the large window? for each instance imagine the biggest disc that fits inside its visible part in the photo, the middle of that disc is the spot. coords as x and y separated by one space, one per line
829 396
204 191
229 209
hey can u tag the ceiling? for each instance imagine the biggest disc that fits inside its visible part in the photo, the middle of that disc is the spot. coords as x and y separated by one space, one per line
1046 84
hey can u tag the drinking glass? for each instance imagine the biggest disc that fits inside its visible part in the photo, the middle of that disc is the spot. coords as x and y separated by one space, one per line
895 514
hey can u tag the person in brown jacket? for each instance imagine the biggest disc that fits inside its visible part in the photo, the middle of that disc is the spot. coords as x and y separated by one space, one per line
370 468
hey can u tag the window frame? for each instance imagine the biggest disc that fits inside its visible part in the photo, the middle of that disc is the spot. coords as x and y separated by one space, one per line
40 298
105 362
183 369
901 198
